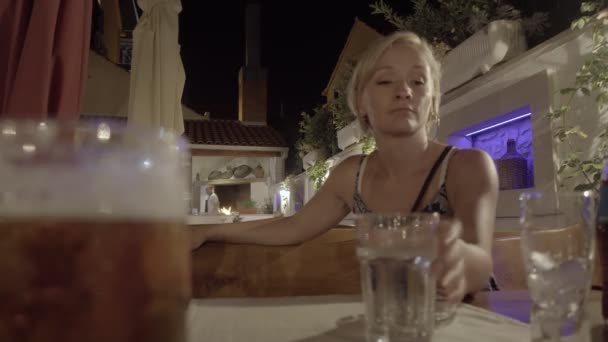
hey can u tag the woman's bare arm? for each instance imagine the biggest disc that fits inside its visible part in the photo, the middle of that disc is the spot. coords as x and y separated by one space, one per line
325 210
473 192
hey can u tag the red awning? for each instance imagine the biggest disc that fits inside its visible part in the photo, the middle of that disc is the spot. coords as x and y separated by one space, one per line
43 59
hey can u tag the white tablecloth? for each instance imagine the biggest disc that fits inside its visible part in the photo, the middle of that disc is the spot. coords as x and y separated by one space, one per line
326 319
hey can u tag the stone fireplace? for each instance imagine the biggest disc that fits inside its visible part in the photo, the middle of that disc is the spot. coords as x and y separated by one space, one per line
221 146
243 194
235 196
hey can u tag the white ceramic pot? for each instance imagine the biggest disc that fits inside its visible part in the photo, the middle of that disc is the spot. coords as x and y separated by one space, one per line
499 41
349 135
310 158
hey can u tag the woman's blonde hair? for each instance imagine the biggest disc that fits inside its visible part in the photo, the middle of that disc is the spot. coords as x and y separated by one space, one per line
365 67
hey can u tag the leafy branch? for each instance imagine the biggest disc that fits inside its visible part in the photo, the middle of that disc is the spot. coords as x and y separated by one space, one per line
338 106
319 128
318 172
338 103
448 23
318 133
381 8
369 144
591 81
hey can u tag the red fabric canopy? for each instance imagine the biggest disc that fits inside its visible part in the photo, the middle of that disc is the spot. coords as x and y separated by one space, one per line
43 59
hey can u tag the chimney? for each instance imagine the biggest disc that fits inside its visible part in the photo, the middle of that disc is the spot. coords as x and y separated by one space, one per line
252 77
252 35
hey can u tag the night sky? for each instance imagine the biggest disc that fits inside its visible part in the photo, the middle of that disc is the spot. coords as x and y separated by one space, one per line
301 42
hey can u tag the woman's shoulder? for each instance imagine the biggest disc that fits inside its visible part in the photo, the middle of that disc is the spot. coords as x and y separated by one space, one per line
474 155
350 165
471 164
343 176
470 159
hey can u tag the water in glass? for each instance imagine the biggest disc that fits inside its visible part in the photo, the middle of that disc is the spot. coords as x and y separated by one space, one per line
397 283
558 253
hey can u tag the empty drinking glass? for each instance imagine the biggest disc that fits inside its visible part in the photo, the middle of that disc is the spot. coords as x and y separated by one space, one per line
558 253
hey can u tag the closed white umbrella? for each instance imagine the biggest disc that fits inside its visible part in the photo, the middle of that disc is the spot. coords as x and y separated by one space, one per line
157 72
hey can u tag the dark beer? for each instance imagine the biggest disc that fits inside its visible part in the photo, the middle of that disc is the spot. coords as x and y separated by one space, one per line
92 245
93 281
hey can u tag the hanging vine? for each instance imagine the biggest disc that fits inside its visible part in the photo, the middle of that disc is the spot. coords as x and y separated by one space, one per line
591 81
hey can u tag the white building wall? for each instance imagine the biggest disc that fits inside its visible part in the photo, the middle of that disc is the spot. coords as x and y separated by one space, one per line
532 79
106 90
205 165
259 193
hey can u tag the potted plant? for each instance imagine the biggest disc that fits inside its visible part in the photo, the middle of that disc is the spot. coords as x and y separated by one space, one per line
249 207
446 24
471 36
347 130
318 141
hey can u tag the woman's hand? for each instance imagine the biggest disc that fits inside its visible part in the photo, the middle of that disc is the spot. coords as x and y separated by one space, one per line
198 237
450 266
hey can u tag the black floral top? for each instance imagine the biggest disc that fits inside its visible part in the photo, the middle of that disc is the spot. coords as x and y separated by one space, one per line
440 203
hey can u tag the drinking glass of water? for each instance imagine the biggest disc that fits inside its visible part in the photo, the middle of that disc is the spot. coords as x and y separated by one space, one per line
558 250
396 253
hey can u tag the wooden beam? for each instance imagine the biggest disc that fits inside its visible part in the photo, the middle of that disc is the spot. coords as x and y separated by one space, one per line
233 153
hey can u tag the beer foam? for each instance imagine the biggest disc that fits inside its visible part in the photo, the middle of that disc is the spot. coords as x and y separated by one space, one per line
93 173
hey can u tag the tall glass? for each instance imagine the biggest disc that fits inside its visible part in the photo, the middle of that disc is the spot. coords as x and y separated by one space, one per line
396 253
92 242
558 252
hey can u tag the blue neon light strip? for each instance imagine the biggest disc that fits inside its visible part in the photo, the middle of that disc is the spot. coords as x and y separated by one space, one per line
498 124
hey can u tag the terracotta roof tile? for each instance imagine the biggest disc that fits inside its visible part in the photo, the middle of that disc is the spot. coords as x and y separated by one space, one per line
231 132
218 132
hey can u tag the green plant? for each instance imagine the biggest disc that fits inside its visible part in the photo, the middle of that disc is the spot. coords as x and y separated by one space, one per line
287 182
250 204
369 144
447 23
591 81
318 133
318 173
338 105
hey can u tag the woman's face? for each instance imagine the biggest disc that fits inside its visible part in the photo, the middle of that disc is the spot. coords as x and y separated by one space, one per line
398 97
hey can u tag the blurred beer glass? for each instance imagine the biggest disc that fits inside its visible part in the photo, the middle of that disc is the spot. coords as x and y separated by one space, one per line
92 241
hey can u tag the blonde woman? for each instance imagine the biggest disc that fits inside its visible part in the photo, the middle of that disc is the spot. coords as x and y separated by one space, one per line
394 93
